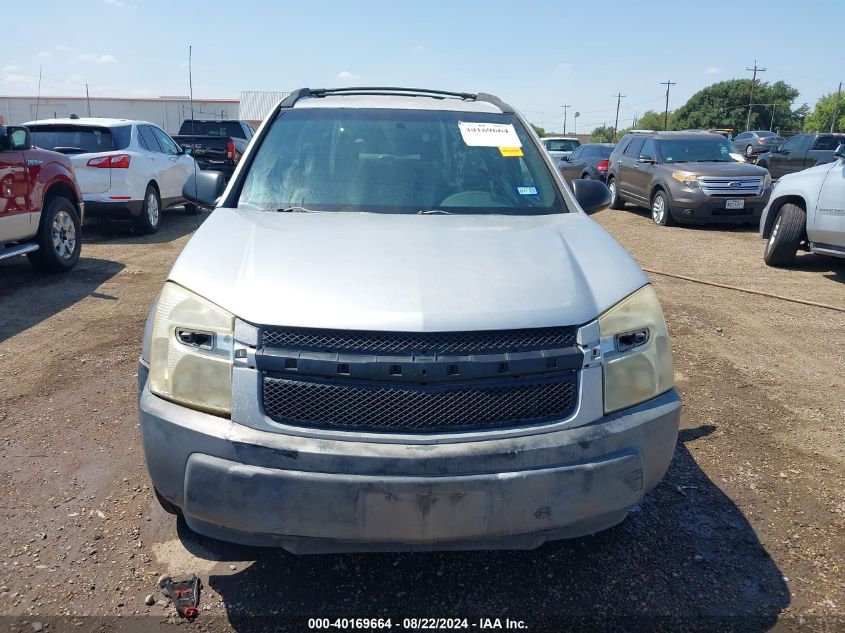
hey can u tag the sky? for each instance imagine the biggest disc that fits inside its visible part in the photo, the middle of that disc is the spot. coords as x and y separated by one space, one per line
536 55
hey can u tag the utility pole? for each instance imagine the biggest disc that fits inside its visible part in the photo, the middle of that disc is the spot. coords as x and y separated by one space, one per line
619 98
836 109
577 114
668 83
565 108
756 70
88 100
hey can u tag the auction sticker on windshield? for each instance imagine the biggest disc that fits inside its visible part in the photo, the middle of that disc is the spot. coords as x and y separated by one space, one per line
489 134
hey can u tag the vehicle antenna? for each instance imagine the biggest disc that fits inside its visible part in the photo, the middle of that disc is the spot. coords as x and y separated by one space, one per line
38 98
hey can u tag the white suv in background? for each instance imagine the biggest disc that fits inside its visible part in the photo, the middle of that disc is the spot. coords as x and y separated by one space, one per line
126 169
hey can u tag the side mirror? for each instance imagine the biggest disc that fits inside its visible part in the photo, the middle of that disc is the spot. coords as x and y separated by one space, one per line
19 138
186 150
840 151
591 195
204 188
645 158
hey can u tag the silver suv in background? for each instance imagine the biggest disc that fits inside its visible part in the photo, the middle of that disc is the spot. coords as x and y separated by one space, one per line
400 330
560 147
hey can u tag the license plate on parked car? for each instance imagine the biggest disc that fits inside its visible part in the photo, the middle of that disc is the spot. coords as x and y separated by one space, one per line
735 204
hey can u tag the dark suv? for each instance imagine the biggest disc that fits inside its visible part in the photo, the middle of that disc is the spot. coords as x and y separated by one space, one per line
687 177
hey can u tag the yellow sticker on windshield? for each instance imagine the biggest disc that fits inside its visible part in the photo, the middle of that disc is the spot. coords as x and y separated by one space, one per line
511 151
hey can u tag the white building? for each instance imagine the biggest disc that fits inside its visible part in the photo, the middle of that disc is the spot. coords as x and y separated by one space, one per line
166 112
257 105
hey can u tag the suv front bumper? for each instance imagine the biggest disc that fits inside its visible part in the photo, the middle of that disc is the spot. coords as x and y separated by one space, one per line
699 208
310 495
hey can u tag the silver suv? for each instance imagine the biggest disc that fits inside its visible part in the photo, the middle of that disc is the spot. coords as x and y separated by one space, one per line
400 330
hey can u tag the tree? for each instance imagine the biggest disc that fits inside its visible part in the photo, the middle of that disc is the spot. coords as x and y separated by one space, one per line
651 120
540 131
819 119
602 134
725 105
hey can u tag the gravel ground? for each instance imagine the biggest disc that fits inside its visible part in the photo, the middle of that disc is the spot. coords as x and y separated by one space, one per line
746 532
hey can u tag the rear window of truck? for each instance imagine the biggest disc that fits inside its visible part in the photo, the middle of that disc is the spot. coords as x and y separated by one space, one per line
230 129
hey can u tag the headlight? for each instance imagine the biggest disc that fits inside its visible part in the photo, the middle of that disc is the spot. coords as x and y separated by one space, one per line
636 351
689 180
191 351
767 181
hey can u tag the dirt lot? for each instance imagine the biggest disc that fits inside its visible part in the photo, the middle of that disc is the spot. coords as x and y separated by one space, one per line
746 532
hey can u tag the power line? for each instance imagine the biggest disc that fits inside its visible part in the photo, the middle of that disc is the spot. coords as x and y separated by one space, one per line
565 108
619 98
668 83
751 96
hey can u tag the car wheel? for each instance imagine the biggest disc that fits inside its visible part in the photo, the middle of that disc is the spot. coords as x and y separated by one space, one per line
59 237
616 201
786 236
150 218
585 176
661 212
749 151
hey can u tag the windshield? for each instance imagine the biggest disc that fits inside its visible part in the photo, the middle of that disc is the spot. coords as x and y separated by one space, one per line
399 161
230 129
78 139
697 150
558 145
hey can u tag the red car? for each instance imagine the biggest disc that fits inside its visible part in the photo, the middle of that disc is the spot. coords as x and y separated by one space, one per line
41 208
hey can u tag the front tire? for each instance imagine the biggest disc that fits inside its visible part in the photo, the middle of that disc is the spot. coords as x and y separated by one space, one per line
786 236
616 201
59 237
150 219
661 211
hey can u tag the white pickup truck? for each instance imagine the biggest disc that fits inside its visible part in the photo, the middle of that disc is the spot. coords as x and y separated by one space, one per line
806 210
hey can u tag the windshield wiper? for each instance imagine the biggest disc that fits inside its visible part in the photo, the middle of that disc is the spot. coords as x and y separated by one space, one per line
295 209
434 212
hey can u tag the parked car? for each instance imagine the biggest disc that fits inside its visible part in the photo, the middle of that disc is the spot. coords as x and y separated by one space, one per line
560 146
687 177
41 206
127 169
411 337
757 142
587 161
216 145
806 210
800 152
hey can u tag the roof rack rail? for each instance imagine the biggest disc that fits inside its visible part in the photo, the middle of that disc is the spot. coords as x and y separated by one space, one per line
296 95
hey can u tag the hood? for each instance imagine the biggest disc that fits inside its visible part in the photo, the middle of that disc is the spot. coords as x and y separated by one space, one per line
407 272
718 169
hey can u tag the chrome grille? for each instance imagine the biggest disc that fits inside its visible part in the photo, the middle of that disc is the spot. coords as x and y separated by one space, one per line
731 186
429 343
402 408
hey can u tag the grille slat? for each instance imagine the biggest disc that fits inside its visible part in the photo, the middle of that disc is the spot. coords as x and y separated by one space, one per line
399 408
442 343
721 185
